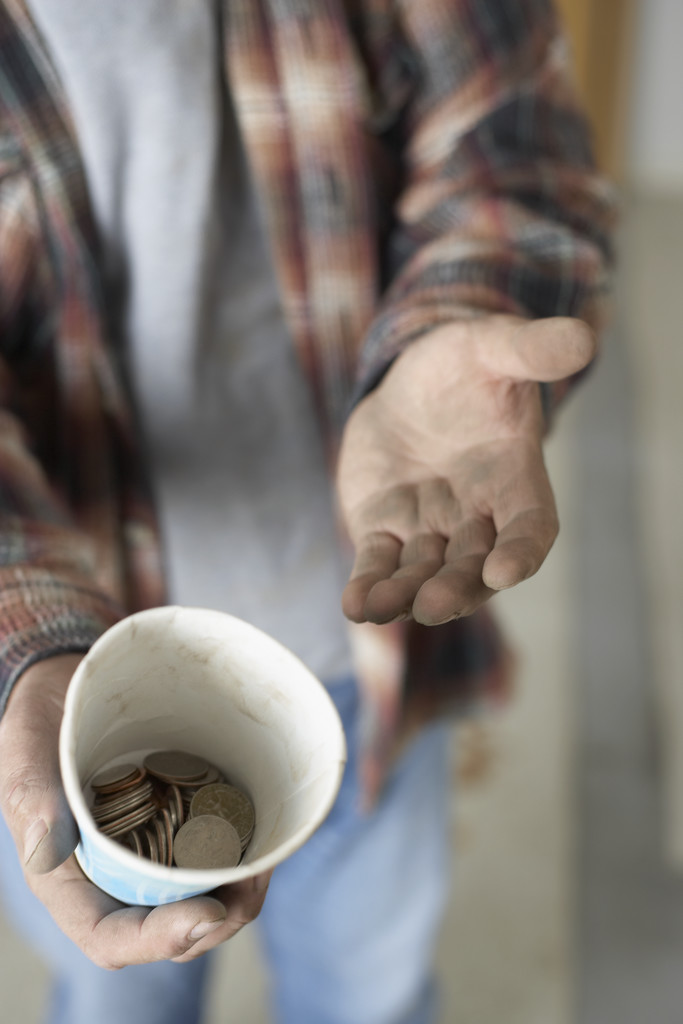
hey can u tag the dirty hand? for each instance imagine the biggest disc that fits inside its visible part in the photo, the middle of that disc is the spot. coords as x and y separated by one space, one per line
32 802
441 476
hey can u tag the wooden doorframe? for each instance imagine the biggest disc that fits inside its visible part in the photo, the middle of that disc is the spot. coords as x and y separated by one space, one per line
601 34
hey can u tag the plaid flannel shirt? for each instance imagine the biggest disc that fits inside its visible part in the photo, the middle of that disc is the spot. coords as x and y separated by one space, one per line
418 161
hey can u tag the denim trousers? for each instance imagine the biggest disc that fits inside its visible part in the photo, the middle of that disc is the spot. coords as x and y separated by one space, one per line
348 927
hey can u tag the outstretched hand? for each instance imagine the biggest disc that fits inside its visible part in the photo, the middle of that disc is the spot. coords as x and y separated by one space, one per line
441 476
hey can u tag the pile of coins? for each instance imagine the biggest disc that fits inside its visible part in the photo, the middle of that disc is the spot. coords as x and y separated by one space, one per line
176 808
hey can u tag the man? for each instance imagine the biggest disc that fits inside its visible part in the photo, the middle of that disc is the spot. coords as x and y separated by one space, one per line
417 180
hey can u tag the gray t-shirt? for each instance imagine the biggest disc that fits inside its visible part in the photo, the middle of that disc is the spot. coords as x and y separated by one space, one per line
245 501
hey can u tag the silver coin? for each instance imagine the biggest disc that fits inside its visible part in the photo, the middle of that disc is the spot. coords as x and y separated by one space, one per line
227 802
132 840
176 766
169 833
207 842
107 809
175 803
119 826
160 833
152 848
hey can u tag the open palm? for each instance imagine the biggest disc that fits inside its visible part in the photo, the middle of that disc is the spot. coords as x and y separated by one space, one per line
441 476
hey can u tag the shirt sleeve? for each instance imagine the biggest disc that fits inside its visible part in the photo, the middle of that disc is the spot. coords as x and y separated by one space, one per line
50 600
501 209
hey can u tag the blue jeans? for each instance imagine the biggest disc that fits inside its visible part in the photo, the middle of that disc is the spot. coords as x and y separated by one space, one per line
349 923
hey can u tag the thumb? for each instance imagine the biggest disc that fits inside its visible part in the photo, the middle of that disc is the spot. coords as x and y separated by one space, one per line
31 796
539 350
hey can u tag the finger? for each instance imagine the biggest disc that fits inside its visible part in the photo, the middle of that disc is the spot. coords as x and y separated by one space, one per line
421 557
539 350
243 903
521 547
377 558
31 796
113 935
458 587
526 520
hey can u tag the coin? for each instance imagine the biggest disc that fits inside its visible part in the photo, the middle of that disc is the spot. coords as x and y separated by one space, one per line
126 823
123 788
175 803
113 778
169 832
103 800
176 766
160 834
152 848
132 840
126 798
207 842
212 775
106 810
228 803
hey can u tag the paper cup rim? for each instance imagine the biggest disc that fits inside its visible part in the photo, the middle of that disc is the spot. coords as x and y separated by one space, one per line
193 878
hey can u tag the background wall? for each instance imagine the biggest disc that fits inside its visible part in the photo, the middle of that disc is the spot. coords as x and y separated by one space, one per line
654 137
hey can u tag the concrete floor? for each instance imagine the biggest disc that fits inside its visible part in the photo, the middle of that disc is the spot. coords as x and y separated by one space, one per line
564 910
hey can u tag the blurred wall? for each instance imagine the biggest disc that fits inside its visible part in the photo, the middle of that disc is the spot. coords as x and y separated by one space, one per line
654 138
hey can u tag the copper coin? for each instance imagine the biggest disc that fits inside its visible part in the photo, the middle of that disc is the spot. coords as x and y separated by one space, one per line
176 766
228 803
110 779
207 842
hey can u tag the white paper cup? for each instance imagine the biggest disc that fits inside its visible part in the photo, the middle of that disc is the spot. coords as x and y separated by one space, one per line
197 680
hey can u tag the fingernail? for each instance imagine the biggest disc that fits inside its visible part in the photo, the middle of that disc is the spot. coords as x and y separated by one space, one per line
48 846
442 622
262 881
204 928
34 836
